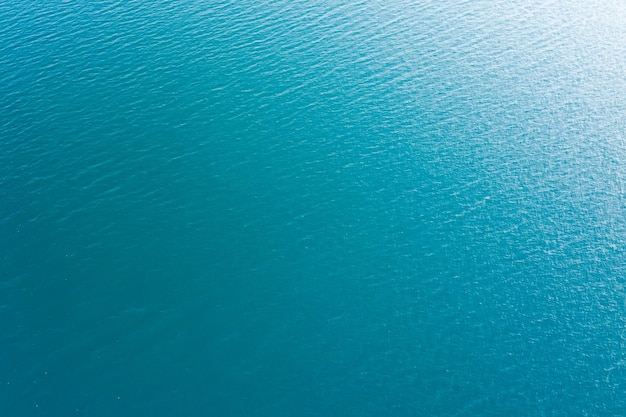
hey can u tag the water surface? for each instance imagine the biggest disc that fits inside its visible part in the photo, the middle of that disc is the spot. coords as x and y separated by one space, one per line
312 208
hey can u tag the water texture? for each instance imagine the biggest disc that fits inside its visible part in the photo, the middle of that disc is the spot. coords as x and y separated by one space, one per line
312 208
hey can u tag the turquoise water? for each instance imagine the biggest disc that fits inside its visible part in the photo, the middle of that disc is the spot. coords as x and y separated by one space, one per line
312 208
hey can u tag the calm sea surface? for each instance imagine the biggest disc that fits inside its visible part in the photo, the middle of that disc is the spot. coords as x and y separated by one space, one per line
312 208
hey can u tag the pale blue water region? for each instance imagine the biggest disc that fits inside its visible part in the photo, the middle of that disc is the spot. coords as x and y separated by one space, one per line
312 208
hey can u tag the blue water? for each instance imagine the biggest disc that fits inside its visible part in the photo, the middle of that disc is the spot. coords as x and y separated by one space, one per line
312 208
